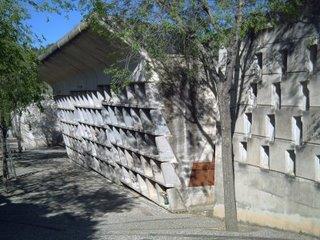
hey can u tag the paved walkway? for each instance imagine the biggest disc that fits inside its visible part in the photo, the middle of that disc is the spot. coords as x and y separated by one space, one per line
55 199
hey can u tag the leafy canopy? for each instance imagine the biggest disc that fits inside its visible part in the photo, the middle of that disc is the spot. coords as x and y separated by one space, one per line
194 30
19 81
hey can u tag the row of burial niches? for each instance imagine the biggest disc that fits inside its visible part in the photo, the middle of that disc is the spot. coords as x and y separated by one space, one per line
119 120
146 175
139 163
134 95
134 118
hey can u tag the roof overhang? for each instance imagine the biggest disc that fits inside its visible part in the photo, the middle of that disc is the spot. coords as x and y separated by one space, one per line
80 50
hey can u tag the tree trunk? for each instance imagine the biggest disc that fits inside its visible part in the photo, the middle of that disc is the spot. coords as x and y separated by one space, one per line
5 170
227 91
19 136
231 221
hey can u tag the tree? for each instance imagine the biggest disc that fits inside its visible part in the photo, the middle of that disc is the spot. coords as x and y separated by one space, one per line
19 82
189 34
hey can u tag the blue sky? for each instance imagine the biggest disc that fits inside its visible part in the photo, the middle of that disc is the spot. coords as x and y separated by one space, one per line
51 26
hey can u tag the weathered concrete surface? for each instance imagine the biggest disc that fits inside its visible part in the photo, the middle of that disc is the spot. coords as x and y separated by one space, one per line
55 199
39 128
277 162
147 136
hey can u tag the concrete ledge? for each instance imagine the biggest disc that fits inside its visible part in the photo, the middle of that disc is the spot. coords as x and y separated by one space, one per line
295 223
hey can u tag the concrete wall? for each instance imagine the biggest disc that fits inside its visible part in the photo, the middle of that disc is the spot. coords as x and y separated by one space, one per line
276 177
39 128
190 112
136 137
159 140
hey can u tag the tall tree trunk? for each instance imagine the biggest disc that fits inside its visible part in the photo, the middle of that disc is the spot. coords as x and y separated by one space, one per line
227 96
19 135
3 139
231 221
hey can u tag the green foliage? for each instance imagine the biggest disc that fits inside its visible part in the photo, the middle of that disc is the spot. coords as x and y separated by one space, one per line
286 10
19 82
121 77
192 30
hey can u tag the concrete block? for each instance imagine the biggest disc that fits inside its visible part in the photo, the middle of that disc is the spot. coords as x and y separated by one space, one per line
164 149
159 122
314 90
169 174
311 128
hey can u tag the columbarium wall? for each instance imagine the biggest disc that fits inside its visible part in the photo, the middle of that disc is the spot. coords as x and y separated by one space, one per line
276 141
135 137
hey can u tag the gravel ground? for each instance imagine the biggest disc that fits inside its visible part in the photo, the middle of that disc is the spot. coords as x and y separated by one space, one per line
53 198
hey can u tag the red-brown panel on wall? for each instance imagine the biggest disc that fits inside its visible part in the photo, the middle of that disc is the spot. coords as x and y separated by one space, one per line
202 174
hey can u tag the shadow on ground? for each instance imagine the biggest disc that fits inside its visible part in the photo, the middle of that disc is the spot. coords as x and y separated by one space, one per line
56 200
35 158
35 221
